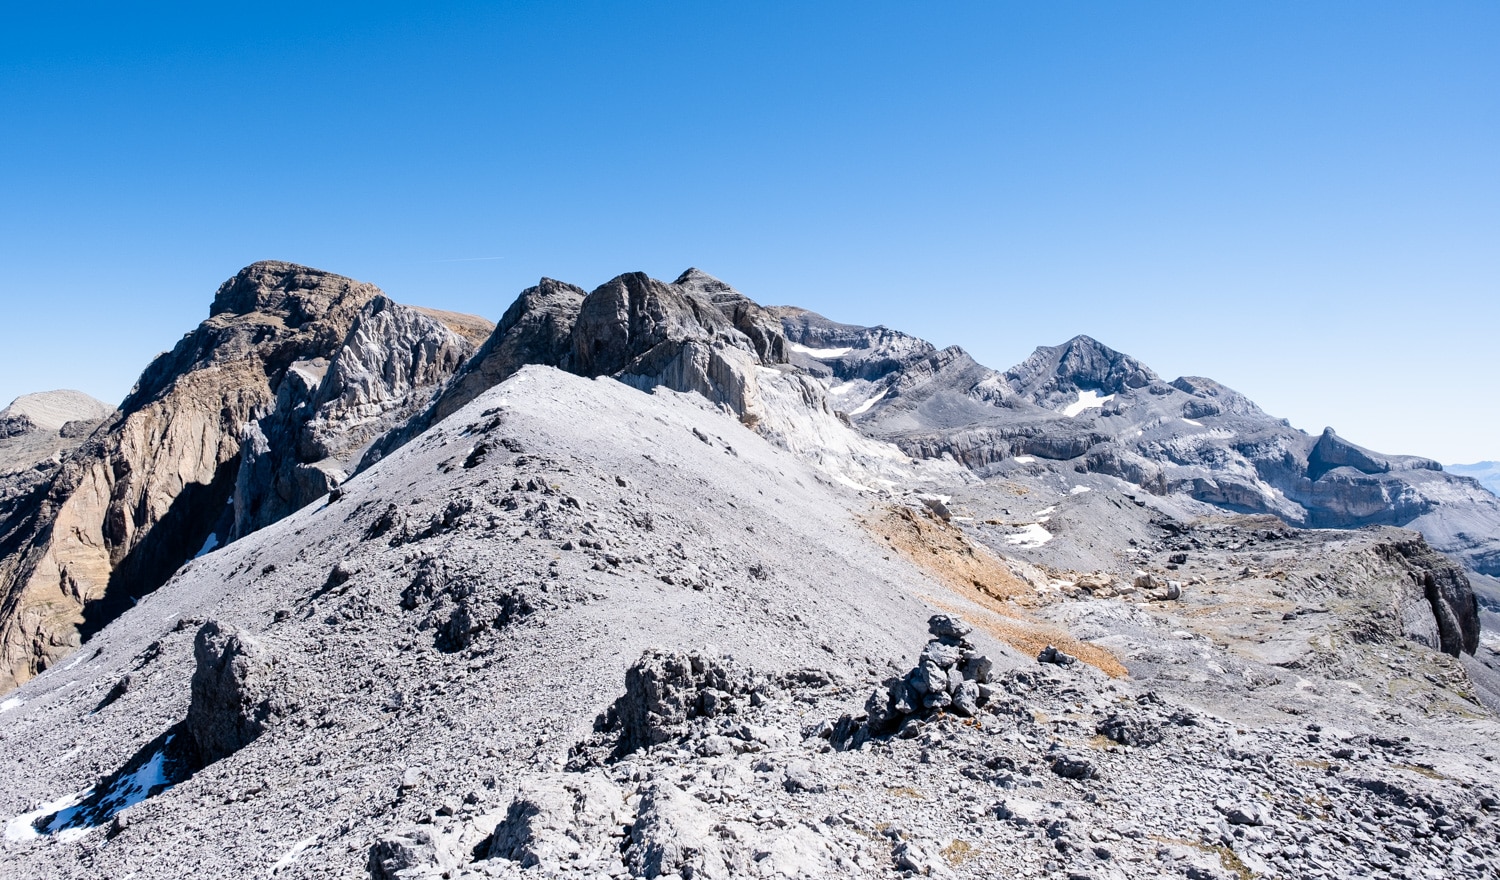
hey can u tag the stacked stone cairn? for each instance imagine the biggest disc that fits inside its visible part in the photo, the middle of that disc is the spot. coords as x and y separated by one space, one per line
950 676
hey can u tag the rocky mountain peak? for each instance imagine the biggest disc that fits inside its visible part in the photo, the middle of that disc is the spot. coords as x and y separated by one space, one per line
623 321
699 281
1080 364
297 293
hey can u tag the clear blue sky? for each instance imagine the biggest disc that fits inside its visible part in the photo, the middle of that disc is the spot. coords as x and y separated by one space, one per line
1299 199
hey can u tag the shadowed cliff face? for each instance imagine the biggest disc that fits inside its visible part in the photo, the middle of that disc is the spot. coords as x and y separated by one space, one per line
154 484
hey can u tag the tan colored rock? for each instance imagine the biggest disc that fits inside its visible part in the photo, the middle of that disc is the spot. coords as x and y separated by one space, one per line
145 492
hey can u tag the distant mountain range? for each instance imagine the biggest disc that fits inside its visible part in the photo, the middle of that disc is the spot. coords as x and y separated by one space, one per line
1486 472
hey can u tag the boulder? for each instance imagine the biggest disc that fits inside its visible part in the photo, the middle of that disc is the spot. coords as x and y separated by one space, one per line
570 822
238 691
663 691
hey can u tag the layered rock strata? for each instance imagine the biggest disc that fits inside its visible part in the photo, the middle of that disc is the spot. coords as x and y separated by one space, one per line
161 480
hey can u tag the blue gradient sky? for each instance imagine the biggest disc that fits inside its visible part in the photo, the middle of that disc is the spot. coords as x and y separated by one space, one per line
1301 200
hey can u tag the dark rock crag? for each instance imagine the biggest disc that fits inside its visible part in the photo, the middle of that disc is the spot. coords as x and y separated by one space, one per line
160 480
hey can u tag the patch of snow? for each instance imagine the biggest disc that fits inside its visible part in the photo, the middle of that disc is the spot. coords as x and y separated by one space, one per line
1086 400
1139 432
1044 513
1032 535
208 546
1079 490
821 352
21 828
1193 423
1026 459
842 388
291 855
864 407
74 820
15 702
76 660
851 484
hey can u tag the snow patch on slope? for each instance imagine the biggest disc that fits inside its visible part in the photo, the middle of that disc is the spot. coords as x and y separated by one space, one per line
1086 400
820 352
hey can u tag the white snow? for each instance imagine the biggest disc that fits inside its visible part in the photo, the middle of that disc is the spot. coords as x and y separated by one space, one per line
863 407
21 829
842 388
291 855
1032 535
851 484
1026 459
76 660
208 546
15 702
1078 490
70 821
821 352
1086 400
1045 513
1193 423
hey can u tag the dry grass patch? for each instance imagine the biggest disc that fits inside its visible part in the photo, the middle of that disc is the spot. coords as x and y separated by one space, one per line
976 574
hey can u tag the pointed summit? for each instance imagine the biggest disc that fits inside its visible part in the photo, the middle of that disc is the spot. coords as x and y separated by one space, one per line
1057 374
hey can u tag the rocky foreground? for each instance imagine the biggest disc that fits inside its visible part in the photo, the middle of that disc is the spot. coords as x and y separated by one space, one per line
628 589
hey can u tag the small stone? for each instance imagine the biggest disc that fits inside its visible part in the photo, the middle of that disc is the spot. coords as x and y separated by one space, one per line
1073 767
943 655
1248 813
947 626
1050 654
966 698
978 668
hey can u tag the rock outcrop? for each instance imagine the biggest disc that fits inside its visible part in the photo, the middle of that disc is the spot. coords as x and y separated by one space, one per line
328 410
694 335
160 480
37 432
240 690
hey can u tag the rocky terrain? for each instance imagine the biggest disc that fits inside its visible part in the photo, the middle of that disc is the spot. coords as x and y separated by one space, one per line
243 393
1486 472
37 431
654 581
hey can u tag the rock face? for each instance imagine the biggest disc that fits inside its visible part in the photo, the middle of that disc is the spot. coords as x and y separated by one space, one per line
37 432
1441 610
160 480
238 691
695 335
327 411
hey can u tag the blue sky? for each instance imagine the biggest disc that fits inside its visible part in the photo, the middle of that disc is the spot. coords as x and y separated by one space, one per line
1301 200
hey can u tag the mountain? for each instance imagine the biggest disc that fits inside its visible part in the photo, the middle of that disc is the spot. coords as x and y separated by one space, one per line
654 581
1486 472
253 414
1082 407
